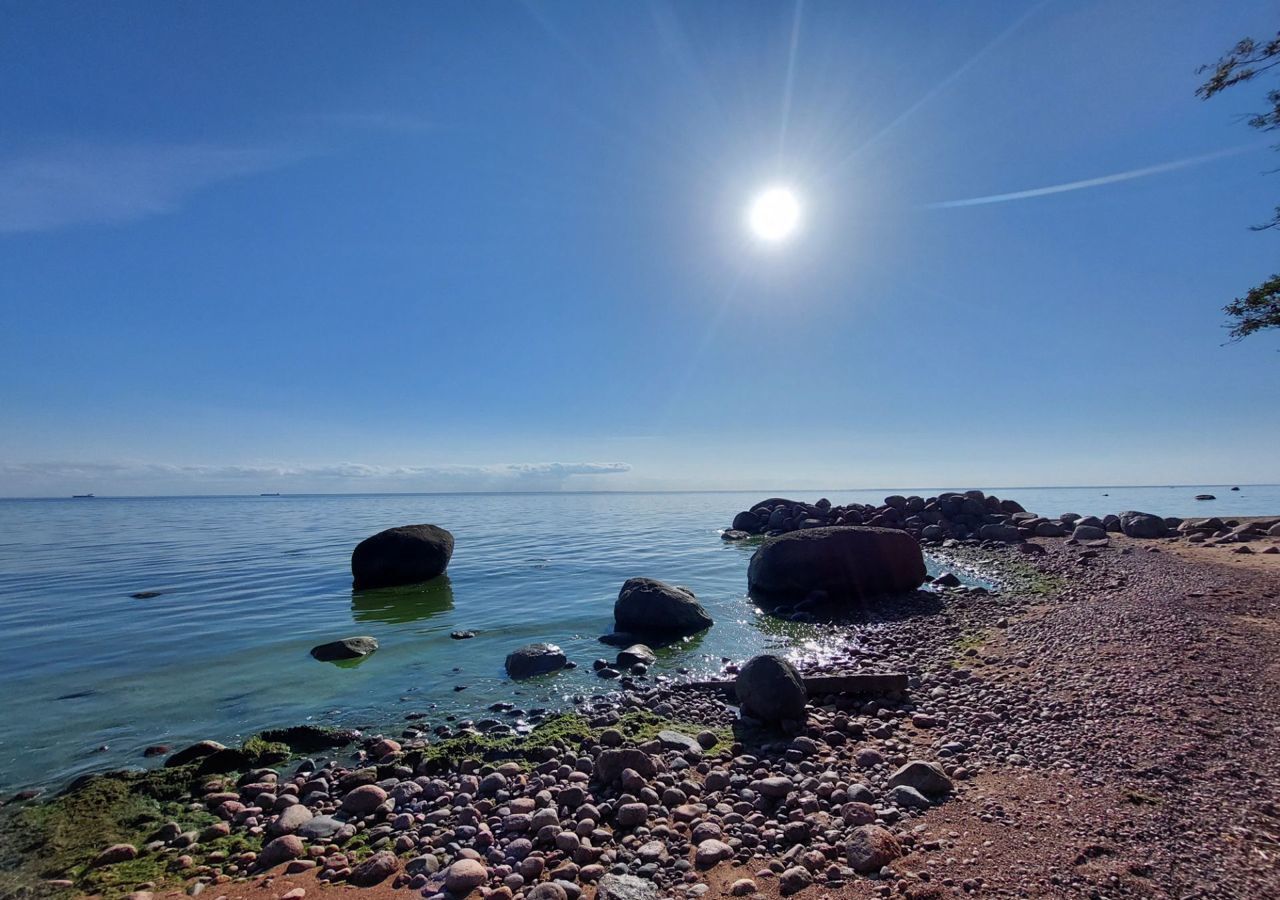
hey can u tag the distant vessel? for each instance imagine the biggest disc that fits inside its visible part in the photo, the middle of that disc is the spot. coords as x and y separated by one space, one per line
268 495
82 496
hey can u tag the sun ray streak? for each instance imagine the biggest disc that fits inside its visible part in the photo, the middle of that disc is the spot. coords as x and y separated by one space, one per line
1095 182
943 84
788 88
680 388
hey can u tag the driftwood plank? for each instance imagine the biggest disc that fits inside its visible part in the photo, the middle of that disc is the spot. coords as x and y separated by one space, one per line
862 683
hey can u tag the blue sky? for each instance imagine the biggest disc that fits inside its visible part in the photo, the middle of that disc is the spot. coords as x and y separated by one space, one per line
425 246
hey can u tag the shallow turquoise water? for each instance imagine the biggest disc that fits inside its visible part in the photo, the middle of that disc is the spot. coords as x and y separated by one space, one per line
250 584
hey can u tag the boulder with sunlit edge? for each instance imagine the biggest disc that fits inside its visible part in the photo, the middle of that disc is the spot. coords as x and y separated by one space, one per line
842 563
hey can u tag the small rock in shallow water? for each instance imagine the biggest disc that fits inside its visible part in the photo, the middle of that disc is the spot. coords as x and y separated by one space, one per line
347 648
461 635
535 659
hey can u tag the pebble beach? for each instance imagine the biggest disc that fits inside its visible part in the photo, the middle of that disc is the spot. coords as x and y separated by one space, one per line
1091 718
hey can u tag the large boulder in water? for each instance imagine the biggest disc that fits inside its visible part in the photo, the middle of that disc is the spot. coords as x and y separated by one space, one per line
847 562
405 555
1142 525
770 689
649 606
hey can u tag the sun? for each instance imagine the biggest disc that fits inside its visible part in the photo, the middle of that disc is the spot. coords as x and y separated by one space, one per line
774 214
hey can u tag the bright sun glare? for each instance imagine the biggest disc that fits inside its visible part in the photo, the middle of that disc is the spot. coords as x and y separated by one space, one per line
774 214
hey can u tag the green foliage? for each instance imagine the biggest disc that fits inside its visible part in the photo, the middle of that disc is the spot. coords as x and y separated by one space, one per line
1256 310
1260 308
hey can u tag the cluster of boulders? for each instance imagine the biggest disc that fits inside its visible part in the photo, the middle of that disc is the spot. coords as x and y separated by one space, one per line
967 516
634 820
647 611
930 519
1229 531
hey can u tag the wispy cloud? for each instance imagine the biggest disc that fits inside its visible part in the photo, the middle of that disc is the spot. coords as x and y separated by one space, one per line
375 120
133 476
83 184
1101 180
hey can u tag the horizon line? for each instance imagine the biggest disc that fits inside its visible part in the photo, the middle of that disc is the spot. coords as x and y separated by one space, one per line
498 493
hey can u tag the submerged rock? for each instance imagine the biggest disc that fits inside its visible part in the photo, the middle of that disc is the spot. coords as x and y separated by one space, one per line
847 563
196 751
408 554
347 648
649 606
636 654
535 659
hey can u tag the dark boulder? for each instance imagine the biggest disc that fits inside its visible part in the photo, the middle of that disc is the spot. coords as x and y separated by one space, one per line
196 751
649 606
535 659
1089 533
347 648
1050 529
747 521
406 555
770 689
1142 525
997 531
846 562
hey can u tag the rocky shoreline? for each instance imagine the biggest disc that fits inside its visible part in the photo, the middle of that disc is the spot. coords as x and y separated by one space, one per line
1020 761
974 515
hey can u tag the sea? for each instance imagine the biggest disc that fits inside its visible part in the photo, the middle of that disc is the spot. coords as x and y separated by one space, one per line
90 675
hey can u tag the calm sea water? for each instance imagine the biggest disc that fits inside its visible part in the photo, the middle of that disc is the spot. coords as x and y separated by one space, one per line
249 584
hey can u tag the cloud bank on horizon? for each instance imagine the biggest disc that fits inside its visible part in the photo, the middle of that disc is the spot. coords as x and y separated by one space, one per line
136 477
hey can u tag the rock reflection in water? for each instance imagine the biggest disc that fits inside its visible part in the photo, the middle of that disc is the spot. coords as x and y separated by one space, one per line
402 605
